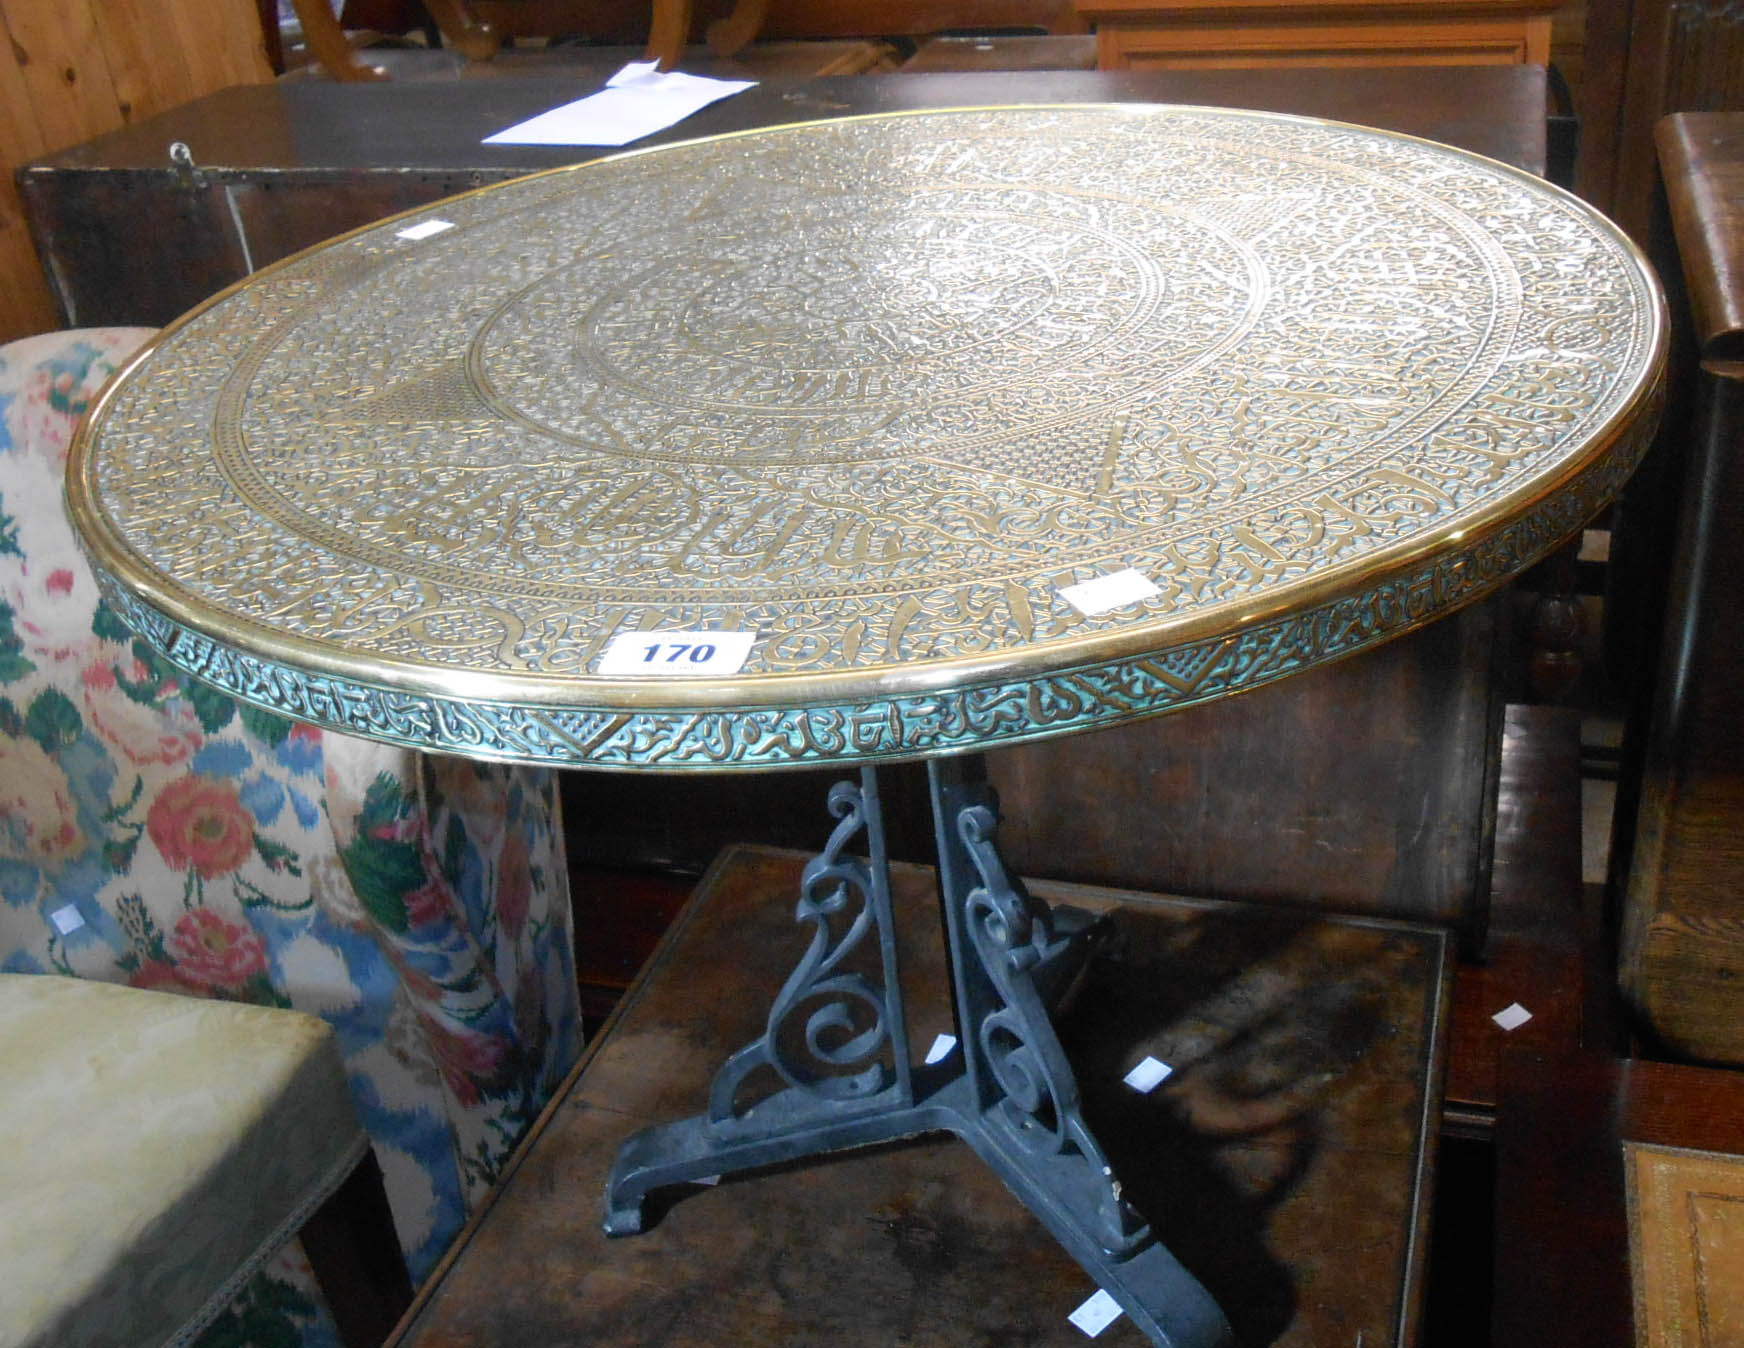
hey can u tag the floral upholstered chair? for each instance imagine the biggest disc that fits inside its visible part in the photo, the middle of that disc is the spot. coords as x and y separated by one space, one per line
155 832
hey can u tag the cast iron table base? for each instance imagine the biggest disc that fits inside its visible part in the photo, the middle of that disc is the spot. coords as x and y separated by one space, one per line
838 1040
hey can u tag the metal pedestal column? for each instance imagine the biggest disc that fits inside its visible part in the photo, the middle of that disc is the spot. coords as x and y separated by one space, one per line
837 1040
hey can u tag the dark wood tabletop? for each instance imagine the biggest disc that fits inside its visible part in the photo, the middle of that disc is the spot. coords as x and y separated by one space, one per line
1564 1271
278 168
312 127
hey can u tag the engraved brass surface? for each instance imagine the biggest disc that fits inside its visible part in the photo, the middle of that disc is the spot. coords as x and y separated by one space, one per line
875 389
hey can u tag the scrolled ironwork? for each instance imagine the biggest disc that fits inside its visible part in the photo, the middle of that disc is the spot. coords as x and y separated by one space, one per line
1013 935
821 995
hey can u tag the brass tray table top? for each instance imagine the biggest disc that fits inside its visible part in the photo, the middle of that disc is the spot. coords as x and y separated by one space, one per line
876 390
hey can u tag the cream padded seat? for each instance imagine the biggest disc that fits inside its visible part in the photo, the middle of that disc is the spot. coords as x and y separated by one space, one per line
157 1148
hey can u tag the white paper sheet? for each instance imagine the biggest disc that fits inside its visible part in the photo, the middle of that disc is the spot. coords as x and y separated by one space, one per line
636 102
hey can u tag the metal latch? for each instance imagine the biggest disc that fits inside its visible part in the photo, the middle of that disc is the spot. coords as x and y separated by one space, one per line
182 159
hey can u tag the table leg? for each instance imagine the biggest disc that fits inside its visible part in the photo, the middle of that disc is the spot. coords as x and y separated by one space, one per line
326 39
837 1040
668 31
731 35
460 30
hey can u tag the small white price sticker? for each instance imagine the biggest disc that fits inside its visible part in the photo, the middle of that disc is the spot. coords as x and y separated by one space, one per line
675 655
1096 1314
941 1048
1104 594
1512 1016
423 231
67 920
1148 1075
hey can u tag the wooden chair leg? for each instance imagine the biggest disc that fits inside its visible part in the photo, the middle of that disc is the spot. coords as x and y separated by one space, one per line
669 32
474 40
731 35
1558 627
355 1252
269 34
326 39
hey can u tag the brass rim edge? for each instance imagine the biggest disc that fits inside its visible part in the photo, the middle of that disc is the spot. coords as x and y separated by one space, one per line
110 556
1603 478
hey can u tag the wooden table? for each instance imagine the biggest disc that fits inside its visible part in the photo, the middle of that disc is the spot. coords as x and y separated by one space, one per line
1286 1160
1619 1186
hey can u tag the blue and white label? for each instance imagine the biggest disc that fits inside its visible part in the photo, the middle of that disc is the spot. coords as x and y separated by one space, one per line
675 655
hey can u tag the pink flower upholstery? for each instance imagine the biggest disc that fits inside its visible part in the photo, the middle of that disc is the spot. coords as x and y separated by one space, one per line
155 832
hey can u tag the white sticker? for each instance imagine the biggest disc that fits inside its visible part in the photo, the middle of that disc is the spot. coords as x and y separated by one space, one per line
423 231
1512 1017
707 1179
635 70
675 655
67 920
1148 1075
1096 1314
941 1048
1106 593
637 101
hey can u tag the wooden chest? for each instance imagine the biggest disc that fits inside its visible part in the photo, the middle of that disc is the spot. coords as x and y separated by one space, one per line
130 236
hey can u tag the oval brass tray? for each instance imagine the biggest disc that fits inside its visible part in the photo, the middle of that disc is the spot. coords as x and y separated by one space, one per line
878 391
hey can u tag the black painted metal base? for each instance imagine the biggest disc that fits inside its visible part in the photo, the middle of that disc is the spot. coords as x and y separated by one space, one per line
837 1040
